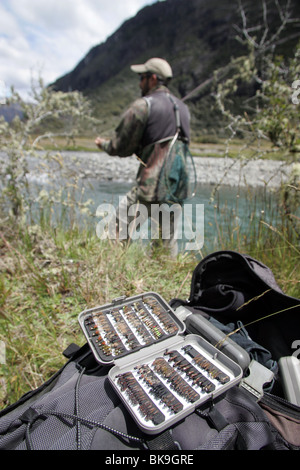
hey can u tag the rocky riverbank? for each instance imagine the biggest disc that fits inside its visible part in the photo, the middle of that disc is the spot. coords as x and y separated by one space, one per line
210 170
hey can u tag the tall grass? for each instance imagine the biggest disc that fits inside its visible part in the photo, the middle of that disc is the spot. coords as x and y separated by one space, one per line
270 234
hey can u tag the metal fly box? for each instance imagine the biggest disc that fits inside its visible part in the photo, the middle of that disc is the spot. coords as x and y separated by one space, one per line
160 374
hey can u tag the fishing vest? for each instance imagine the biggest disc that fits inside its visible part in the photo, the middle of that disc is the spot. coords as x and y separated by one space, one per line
161 121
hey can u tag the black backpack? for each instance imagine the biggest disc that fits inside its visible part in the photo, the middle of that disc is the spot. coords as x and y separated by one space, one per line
236 289
78 408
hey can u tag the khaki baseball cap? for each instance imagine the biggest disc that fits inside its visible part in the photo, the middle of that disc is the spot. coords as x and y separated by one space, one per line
155 65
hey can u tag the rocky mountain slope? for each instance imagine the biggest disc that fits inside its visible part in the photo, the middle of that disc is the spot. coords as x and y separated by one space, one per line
196 36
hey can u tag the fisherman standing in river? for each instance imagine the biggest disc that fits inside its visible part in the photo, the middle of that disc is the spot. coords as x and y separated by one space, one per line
146 129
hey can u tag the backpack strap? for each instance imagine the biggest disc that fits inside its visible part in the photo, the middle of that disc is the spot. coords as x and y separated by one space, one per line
163 441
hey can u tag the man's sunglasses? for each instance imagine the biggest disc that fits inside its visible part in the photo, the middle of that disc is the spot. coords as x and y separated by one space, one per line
145 75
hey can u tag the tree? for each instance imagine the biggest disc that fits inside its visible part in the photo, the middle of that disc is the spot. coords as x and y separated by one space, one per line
48 115
271 112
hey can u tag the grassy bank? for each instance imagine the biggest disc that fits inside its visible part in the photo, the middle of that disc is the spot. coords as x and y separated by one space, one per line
48 278
49 275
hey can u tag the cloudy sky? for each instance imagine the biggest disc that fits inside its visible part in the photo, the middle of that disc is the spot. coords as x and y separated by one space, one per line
47 38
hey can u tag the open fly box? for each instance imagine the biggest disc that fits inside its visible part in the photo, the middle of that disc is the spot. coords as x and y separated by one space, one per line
160 374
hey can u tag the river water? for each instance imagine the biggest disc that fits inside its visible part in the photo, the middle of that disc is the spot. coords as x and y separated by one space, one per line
74 190
211 217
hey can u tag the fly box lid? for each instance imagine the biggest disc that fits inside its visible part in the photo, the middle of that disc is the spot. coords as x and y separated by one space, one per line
128 324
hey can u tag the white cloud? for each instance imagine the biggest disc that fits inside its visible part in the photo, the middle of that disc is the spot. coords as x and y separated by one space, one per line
49 38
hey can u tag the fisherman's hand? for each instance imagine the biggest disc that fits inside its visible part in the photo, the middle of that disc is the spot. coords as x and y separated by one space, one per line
99 141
